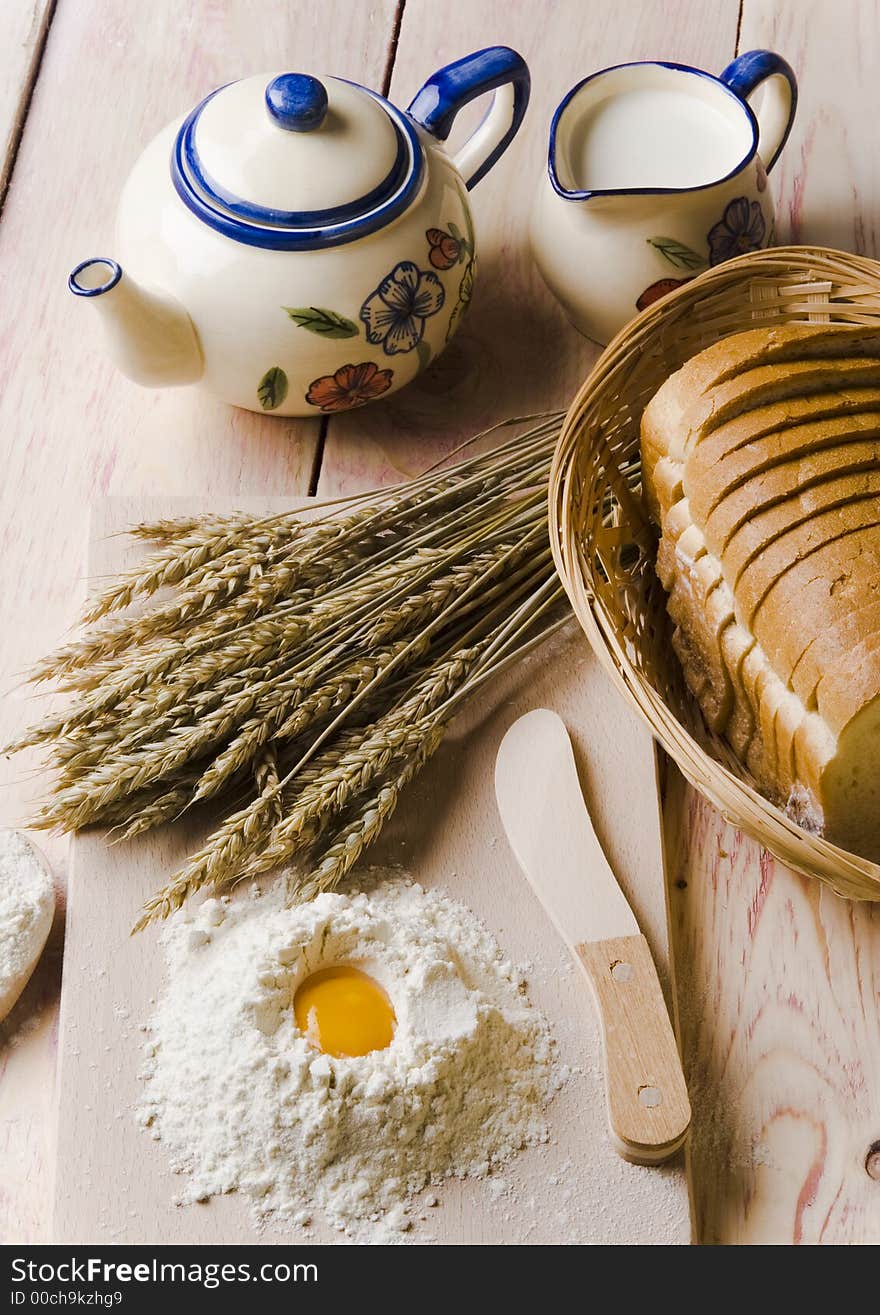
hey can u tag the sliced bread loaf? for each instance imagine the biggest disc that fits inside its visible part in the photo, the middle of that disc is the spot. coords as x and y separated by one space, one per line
761 464
734 356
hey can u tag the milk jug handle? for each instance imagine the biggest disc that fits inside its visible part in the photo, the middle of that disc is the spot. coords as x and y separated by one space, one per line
497 69
745 75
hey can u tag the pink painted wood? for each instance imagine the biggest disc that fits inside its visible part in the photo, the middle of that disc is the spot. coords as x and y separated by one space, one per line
23 28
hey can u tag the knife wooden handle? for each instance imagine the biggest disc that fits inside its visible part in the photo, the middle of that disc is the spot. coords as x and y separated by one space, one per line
648 1108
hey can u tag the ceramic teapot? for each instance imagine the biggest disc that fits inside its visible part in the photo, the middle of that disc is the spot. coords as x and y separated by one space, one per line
299 245
657 171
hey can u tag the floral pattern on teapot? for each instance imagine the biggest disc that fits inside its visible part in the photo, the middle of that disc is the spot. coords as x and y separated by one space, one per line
349 386
394 318
394 314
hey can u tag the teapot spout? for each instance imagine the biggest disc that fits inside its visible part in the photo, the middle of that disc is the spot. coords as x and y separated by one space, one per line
149 335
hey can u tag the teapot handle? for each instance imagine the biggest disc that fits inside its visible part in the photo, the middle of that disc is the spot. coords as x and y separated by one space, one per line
497 69
744 75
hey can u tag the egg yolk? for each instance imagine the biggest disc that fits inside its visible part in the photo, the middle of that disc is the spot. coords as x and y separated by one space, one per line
344 1012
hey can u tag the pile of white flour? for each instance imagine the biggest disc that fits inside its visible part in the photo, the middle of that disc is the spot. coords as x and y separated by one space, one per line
243 1101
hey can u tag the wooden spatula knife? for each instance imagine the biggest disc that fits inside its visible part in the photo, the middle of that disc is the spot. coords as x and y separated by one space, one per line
552 836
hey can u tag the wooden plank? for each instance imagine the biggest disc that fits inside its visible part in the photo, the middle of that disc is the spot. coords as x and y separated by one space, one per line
71 429
779 994
23 28
113 1181
779 979
515 352
827 181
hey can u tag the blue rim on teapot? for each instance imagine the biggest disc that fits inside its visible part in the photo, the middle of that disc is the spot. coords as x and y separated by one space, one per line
298 103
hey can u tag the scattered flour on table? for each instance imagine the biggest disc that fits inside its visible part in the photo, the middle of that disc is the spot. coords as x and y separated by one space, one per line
27 906
242 1100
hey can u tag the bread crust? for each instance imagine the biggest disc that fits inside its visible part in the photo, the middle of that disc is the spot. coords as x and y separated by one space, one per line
849 685
805 451
824 648
790 490
775 419
772 384
815 594
763 583
758 534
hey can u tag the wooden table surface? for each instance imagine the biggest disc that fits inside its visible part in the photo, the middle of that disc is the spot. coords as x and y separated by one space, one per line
779 981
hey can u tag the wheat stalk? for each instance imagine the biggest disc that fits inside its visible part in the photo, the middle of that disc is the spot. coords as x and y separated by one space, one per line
268 781
349 843
245 845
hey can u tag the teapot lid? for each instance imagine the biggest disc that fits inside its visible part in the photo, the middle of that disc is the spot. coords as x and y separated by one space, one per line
292 162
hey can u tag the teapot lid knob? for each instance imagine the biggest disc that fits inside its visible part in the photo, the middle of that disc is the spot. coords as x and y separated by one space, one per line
296 102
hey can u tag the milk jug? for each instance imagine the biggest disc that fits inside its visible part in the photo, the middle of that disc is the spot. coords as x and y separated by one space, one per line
657 171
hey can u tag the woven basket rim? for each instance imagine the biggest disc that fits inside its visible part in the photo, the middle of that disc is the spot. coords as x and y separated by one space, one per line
736 799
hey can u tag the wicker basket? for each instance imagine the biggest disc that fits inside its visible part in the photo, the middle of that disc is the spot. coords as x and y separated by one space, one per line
604 544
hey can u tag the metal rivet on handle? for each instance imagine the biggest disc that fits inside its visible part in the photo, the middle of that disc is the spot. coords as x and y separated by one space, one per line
650 1097
621 971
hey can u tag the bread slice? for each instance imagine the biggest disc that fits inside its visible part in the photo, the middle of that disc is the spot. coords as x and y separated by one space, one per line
815 595
849 784
778 716
733 356
840 778
736 643
689 419
757 535
677 520
781 715
767 572
695 593
767 692
772 344
792 491
814 748
699 680
774 419
849 684
769 384
667 483
824 649
790 715
820 446
754 670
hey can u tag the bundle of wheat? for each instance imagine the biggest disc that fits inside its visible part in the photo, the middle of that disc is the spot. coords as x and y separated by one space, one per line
304 669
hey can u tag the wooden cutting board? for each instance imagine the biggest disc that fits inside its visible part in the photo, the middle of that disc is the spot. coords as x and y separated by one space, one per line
113 1183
